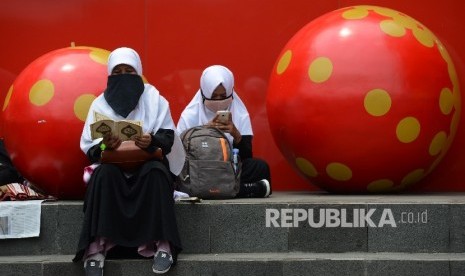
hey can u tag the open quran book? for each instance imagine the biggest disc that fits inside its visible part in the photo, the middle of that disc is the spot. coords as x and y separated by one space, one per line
124 129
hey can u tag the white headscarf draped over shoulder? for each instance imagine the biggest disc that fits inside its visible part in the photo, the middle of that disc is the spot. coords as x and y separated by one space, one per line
196 114
152 109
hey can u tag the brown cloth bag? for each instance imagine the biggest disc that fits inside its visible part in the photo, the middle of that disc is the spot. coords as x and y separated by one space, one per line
19 191
128 156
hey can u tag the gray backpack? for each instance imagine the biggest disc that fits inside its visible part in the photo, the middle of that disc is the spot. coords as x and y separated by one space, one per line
209 171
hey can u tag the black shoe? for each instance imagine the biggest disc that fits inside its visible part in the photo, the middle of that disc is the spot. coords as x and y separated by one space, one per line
162 262
260 188
94 268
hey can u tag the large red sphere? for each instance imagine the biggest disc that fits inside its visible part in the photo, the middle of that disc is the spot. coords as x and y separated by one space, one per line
44 113
364 99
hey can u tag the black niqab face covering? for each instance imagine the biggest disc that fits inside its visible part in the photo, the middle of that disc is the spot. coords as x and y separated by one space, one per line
123 92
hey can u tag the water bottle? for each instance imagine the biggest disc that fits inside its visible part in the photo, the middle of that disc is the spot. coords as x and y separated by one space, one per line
236 159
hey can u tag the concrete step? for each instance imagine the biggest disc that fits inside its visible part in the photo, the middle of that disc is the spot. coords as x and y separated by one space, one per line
426 223
270 264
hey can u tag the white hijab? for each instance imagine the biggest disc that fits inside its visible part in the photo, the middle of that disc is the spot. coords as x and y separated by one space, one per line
196 114
153 110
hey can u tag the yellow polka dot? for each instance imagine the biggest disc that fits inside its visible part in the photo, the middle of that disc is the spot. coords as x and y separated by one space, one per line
392 28
405 21
82 105
435 164
41 92
446 101
437 143
408 129
144 79
364 7
454 124
284 62
99 56
457 101
355 13
424 36
339 171
450 64
320 70
96 54
452 74
445 55
7 97
377 102
306 167
412 178
385 11
379 186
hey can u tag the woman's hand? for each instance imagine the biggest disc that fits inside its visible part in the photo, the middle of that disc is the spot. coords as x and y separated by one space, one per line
227 127
143 141
111 141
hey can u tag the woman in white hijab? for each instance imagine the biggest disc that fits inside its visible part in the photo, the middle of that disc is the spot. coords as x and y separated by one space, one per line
131 210
217 93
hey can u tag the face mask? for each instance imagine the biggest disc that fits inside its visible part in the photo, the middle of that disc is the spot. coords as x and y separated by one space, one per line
216 105
123 92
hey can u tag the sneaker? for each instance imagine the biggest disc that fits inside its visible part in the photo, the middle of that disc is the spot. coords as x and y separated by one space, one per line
260 188
94 268
265 187
162 262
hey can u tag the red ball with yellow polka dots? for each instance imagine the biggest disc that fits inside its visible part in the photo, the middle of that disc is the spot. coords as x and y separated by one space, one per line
364 99
44 113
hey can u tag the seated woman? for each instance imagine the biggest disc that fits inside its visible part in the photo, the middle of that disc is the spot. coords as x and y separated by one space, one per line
217 93
131 210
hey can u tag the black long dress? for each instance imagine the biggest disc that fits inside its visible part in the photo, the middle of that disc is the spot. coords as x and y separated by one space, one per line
131 211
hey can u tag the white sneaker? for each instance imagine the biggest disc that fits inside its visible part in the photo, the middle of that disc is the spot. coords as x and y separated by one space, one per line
267 187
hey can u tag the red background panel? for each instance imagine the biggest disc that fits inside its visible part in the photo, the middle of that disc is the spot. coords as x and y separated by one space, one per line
178 39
